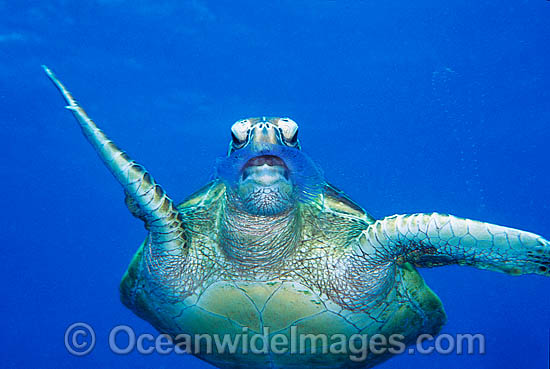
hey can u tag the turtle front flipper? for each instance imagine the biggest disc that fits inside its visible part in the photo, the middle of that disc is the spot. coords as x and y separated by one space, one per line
148 199
429 240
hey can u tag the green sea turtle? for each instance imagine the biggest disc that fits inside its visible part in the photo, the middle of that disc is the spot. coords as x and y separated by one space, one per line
268 265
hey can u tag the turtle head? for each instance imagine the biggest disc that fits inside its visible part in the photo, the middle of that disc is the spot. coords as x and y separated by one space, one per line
265 169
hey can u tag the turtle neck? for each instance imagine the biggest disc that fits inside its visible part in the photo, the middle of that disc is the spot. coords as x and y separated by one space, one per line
257 241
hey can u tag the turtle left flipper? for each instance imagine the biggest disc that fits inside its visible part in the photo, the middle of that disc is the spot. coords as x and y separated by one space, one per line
146 199
429 240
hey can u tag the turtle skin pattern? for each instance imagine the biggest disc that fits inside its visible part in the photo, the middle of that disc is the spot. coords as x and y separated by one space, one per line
318 289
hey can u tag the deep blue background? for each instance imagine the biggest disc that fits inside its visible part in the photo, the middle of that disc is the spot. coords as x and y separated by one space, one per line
408 105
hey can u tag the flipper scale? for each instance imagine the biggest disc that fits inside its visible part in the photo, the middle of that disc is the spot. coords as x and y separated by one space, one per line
428 240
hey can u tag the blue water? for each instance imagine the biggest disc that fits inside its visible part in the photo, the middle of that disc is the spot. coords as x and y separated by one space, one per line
408 106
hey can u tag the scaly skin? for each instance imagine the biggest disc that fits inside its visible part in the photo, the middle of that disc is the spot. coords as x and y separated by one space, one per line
151 202
429 240
324 266
321 287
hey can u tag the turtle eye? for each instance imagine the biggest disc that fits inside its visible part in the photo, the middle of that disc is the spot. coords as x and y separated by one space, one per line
289 130
238 143
239 133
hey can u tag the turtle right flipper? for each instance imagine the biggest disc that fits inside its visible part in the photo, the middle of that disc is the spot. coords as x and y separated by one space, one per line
429 240
149 200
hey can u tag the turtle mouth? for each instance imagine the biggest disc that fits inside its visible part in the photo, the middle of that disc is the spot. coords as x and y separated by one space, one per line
268 164
265 187
270 160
